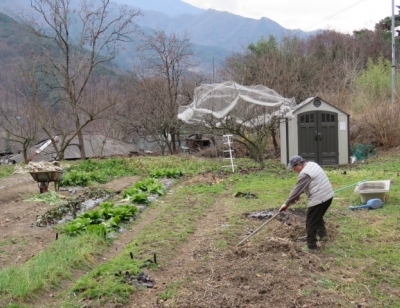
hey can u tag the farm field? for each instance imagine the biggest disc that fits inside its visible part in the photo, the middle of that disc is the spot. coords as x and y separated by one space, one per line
184 242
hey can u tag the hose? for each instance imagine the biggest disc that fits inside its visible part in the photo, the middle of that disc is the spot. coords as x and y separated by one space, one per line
339 189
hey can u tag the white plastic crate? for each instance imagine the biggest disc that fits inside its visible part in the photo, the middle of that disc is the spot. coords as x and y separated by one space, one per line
372 190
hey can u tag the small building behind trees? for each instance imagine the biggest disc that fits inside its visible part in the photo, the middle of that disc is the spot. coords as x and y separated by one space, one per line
317 131
197 142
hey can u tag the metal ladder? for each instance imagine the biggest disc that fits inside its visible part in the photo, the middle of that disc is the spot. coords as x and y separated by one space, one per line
228 151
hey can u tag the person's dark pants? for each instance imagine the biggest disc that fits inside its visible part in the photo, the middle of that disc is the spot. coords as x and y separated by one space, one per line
315 223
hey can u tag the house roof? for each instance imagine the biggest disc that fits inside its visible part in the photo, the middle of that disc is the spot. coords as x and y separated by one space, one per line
95 146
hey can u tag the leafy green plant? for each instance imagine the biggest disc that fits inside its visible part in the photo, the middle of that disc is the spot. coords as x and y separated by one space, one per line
75 178
166 172
125 211
140 191
99 171
130 191
144 184
139 198
112 224
77 226
151 186
108 215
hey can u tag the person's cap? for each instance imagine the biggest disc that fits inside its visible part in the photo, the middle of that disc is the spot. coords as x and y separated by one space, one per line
297 159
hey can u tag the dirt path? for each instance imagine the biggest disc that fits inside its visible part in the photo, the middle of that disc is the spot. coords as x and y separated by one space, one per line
20 239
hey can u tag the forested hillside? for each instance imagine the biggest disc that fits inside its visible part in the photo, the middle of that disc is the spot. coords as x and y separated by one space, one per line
14 44
17 45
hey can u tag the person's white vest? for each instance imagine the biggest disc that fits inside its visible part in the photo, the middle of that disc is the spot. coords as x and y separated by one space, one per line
320 189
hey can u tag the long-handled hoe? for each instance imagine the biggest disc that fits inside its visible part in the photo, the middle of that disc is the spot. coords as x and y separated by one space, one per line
255 231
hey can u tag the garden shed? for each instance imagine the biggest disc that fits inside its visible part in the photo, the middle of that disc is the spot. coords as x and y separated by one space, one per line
317 131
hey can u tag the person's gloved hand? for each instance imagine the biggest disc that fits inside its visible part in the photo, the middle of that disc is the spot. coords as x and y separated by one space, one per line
283 208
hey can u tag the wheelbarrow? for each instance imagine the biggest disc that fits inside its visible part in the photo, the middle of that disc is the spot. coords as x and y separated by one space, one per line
43 178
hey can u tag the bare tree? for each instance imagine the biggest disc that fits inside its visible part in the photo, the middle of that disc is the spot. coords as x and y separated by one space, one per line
167 61
74 41
107 97
281 66
20 114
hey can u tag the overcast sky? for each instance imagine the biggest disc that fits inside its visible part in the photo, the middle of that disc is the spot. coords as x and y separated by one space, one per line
340 15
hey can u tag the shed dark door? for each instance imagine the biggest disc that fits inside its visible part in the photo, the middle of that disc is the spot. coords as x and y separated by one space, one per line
318 137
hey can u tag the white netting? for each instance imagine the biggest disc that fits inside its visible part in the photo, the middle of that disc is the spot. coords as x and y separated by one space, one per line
250 105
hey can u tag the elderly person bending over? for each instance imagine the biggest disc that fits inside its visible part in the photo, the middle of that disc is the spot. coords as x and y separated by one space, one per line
313 181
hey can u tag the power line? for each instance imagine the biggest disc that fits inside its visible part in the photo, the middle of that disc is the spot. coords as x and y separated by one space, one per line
334 14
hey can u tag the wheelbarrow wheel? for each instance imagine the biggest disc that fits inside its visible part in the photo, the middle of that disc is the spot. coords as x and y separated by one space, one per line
43 187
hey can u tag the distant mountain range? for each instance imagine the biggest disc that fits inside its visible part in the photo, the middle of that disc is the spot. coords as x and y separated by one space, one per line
215 34
207 27
168 7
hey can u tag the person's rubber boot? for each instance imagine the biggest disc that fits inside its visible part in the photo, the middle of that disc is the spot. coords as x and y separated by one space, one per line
324 238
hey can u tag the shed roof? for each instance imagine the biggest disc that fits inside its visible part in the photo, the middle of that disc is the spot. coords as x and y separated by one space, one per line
312 99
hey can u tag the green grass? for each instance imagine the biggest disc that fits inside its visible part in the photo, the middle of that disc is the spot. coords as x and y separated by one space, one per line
170 291
6 170
16 306
367 244
188 165
47 269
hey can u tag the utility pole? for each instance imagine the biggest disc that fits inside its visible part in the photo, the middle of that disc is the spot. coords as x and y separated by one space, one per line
393 57
213 71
